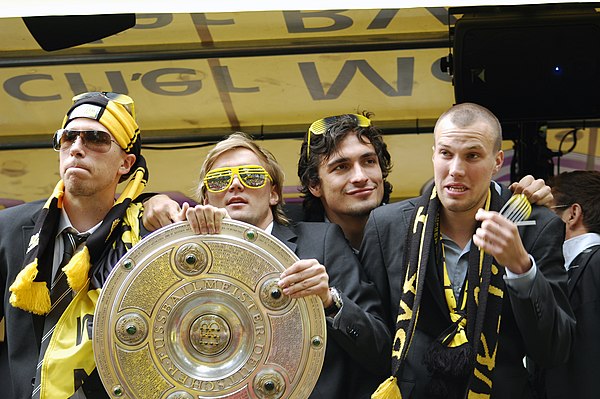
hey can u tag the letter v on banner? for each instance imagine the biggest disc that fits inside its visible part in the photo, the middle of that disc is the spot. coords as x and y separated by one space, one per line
84 326
405 72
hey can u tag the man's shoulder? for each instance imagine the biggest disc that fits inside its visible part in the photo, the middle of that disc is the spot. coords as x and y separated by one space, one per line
538 211
395 207
313 227
21 211
310 232
547 222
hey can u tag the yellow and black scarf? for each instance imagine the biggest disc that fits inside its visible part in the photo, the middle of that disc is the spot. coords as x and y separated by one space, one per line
88 269
462 358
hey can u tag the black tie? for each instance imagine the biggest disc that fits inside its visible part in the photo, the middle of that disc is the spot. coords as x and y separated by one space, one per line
60 297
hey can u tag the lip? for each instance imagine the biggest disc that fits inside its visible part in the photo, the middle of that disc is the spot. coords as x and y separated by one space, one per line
361 191
77 167
449 189
236 201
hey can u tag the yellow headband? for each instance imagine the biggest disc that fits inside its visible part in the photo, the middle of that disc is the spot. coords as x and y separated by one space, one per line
113 116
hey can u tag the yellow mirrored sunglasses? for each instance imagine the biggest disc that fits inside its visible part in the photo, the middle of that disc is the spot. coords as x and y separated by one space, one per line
251 176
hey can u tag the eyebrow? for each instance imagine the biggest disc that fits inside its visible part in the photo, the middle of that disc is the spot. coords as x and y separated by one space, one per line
469 148
335 161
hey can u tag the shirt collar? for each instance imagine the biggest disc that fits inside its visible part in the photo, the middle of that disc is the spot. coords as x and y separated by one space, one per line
269 228
574 246
65 223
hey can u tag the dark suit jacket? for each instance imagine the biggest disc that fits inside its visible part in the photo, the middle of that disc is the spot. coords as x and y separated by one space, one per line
579 377
20 350
539 324
358 341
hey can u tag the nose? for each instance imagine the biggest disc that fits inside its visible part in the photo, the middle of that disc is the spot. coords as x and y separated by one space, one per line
77 146
457 167
358 174
236 184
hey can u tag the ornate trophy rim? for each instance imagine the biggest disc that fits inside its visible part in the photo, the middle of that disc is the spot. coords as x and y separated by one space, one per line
187 316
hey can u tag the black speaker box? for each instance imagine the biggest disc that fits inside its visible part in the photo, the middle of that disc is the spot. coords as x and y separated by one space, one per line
60 32
529 67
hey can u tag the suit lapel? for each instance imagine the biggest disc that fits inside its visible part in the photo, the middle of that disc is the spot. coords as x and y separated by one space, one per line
36 323
27 232
578 266
286 235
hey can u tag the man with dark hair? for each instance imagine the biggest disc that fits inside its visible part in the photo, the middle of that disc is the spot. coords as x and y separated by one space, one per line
243 181
55 255
577 203
469 293
343 167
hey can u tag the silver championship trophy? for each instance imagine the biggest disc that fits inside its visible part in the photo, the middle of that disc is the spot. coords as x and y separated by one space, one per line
186 316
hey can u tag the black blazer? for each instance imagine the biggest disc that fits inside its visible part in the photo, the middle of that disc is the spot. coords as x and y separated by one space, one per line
20 349
539 325
358 341
579 378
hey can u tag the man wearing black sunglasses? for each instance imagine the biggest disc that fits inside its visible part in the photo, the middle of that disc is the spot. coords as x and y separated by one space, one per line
243 181
56 254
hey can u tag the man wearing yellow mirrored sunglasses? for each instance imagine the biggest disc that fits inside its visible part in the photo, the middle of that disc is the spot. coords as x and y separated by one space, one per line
241 180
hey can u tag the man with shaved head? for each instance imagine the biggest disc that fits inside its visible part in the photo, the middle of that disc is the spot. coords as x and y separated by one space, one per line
469 293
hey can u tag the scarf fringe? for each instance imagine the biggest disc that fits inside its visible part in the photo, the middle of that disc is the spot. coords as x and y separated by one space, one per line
77 269
29 295
448 366
452 361
388 389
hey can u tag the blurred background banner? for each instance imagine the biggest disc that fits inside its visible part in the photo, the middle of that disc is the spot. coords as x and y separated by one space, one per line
197 74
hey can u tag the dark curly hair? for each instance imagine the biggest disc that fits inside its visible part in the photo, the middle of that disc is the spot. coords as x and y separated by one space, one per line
322 146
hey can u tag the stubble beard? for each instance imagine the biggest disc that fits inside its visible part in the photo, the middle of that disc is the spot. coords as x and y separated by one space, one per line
78 188
361 209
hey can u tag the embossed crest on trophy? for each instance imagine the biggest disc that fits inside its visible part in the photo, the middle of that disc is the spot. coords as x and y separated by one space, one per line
201 316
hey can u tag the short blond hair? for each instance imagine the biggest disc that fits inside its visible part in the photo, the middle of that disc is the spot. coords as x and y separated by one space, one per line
467 114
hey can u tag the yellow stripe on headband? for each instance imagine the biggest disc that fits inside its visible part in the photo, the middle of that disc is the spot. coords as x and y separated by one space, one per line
120 124
114 117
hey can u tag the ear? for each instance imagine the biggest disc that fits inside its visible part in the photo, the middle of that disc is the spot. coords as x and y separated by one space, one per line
126 164
315 190
498 161
273 196
575 214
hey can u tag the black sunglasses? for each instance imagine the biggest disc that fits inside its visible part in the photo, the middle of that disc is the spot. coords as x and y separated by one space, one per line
95 140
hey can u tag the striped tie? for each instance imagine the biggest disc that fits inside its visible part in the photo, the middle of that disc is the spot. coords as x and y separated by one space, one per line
60 297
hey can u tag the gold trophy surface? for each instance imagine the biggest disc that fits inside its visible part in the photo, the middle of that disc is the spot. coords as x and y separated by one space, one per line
187 316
